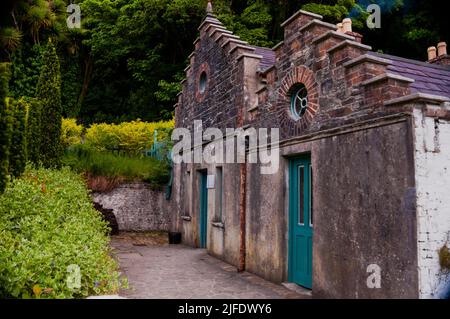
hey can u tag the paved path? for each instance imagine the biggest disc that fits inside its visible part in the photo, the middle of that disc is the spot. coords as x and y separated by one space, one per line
177 271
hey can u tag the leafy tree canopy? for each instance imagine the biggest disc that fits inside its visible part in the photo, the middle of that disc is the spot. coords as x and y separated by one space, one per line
127 60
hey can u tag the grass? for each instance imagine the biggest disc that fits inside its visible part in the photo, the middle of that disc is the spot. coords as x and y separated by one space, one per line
107 169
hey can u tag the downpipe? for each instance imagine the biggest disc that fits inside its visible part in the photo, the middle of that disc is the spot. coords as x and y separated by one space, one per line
242 217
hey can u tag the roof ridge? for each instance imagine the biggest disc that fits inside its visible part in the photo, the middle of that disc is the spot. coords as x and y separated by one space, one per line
417 62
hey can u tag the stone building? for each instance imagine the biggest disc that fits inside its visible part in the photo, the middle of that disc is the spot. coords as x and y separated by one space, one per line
360 205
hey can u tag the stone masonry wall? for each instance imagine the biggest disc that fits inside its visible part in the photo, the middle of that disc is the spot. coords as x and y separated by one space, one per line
345 84
218 105
137 207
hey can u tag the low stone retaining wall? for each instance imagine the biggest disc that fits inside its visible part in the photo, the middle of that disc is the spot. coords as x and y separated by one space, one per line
137 207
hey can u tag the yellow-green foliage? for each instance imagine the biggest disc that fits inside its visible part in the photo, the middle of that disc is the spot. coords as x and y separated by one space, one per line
128 137
71 132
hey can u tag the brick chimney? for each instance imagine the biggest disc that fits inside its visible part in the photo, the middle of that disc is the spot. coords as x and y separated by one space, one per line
346 27
431 53
440 57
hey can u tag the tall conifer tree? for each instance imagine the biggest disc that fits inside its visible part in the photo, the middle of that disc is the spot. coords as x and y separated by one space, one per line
5 126
49 93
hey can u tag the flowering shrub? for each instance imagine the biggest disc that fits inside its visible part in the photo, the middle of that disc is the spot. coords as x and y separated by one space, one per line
48 225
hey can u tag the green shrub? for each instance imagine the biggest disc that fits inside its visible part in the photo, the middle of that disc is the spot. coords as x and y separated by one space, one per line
5 74
34 138
47 223
25 69
71 133
5 126
49 93
18 150
128 137
86 160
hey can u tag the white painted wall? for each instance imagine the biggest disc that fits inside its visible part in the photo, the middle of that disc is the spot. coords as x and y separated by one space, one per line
432 164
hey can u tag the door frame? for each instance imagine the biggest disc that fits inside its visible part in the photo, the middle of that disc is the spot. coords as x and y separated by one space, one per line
292 164
203 209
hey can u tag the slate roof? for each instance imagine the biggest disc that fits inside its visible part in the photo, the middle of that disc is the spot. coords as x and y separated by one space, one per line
429 78
268 59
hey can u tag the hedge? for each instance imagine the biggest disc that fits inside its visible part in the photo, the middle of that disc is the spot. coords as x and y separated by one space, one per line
18 149
49 93
5 126
34 136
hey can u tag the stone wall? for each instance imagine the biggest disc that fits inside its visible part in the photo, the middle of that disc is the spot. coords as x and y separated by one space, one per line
137 207
345 84
432 158
218 105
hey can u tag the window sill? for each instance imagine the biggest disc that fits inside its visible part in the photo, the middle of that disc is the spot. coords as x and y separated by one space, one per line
218 225
186 218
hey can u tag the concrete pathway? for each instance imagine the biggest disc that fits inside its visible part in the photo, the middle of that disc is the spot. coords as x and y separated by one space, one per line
157 270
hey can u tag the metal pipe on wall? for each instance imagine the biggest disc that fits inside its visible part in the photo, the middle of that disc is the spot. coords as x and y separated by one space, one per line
242 217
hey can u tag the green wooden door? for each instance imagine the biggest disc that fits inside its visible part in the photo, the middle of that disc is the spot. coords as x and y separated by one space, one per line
203 220
300 222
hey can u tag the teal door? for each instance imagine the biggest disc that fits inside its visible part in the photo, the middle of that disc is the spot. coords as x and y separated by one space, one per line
300 222
203 220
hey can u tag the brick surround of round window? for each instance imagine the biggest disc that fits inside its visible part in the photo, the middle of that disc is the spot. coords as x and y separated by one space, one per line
299 75
202 82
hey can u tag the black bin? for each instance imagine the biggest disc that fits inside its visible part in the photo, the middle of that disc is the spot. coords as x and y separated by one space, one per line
174 238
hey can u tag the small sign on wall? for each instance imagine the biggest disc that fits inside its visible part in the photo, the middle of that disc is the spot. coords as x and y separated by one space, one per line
210 182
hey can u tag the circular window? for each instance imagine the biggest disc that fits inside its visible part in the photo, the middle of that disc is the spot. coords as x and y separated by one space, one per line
299 101
202 83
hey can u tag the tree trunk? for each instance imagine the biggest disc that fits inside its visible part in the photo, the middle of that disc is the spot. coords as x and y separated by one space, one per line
86 80
14 19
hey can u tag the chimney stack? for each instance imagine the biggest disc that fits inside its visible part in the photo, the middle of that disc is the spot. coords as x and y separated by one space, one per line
431 53
347 25
442 48
209 8
440 55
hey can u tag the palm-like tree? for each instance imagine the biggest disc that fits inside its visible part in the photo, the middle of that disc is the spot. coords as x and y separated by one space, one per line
10 39
39 16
